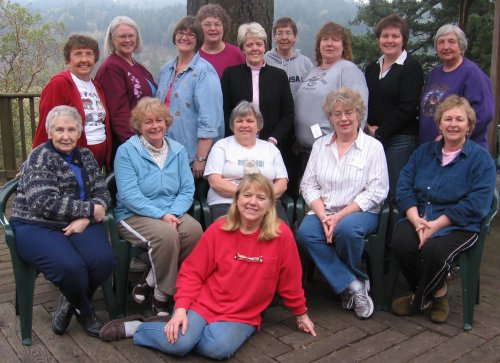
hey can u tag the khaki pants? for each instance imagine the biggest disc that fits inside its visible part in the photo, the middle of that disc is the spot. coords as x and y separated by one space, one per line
167 246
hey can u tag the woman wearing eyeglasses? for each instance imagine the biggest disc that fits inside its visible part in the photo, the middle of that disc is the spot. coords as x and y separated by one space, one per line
191 89
215 23
345 184
228 280
123 79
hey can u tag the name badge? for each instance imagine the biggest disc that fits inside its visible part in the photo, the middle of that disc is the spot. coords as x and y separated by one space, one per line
316 131
357 163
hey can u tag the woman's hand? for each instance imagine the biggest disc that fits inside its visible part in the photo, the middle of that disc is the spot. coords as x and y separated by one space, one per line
76 226
99 213
428 228
171 219
305 324
198 168
328 227
172 327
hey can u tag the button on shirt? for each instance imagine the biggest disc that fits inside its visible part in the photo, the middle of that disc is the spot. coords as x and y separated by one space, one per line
360 176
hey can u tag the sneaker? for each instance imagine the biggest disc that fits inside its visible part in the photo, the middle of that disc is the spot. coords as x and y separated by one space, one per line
347 299
142 290
403 306
363 304
161 308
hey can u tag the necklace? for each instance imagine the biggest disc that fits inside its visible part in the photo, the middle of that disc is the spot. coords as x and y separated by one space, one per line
239 257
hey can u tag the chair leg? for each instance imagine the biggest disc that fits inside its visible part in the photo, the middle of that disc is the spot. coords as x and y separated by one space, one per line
121 277
393 279
25 289
376 261
470 282
109 297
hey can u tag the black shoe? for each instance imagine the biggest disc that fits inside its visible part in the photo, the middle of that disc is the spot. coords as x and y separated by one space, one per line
90 323
62 316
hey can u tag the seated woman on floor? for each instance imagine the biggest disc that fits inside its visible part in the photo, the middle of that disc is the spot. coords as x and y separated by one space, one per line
229 279
444 191
60 203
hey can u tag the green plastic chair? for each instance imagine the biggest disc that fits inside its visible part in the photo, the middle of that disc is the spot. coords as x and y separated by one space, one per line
374 247
470 265
125 250
25 274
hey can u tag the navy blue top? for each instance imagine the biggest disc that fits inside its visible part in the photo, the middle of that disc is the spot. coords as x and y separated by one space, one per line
462 190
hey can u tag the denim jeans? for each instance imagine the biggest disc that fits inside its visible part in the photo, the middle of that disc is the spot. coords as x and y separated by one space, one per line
398 150
339 262
217 340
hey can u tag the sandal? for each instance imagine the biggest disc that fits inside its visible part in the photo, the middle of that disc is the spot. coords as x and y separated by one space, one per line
160 308
141 291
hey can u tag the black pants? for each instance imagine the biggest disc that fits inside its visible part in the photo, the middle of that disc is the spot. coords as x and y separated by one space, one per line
426 269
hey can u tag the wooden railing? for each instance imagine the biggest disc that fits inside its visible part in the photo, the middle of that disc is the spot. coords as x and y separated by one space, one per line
18 120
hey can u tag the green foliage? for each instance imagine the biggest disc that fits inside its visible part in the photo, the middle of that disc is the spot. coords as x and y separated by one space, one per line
27 48
424 19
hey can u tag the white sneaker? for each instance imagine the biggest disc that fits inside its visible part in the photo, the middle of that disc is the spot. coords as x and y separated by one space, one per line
347 299
363 304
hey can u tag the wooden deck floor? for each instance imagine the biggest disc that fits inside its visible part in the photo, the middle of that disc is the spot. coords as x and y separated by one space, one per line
341 336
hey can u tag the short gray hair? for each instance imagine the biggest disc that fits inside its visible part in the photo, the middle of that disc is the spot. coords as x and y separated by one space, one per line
60 111
245 108
254 29
448 29
109 47
347 97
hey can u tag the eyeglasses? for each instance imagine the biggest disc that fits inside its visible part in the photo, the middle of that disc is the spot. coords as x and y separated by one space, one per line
182 33
244 258
284 34
80 55
347 114
209 25
126 37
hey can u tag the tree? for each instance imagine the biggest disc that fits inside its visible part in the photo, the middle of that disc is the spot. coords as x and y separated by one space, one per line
28 48
261 11
424 19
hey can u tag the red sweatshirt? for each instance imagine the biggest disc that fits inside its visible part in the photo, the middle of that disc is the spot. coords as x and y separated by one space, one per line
61 90
220 288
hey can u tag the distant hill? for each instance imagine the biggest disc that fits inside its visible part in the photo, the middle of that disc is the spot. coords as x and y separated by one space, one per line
156 19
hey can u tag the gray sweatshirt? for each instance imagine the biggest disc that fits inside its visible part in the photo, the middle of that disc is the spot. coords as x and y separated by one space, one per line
312 93
297 67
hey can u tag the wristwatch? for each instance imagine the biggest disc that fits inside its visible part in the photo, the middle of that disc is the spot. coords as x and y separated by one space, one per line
201 158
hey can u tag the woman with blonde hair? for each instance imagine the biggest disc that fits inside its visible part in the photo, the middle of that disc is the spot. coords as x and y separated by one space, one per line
228 280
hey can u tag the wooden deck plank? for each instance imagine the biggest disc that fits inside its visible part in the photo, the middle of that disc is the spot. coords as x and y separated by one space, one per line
452 349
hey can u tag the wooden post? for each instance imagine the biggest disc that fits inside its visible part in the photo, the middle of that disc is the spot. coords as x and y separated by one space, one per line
495 78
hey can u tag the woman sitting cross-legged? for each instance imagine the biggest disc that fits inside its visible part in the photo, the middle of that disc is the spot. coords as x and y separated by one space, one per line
345 184
60 203
243 153
155 191
445 191
231 276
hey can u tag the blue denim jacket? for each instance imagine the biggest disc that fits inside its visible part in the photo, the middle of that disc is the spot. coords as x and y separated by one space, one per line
195 103
462 190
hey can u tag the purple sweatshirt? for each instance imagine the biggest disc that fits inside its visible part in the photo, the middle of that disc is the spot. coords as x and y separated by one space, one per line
468 81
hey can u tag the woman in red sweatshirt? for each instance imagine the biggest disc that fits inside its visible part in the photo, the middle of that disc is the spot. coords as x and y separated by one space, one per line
228 280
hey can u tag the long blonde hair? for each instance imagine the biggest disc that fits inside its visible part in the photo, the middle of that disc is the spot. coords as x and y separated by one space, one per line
270 223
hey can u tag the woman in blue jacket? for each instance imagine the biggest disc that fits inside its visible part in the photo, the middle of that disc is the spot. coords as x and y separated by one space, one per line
445 191
155 190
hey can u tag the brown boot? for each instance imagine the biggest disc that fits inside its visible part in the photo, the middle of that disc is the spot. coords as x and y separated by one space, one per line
402 306
440 309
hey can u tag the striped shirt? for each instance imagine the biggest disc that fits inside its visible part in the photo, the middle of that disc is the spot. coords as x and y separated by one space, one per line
360 176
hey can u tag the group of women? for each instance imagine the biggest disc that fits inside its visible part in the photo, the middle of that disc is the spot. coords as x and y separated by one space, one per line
355 135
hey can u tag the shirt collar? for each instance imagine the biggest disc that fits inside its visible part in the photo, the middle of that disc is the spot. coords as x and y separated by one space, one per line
401 59
359 142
